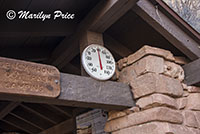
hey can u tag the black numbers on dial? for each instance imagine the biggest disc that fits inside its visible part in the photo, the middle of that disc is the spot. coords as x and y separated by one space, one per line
94 70
106 72
89 53
93 50
89 58
103 52
90 64
109 68
107 57
109 62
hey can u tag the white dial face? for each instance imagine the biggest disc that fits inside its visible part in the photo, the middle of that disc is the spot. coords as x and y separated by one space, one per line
98 62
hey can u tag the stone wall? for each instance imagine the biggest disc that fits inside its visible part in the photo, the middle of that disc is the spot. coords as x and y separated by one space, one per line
164 105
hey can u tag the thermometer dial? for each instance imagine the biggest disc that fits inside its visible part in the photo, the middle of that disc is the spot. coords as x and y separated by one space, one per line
98 62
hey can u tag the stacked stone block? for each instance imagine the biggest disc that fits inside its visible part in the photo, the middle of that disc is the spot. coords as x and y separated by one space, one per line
164 104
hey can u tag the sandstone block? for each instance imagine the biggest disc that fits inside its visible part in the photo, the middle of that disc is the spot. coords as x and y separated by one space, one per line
156 100
190 119
153 83
193 101
147 50
197 115
156 128
122 63
173 70
115 114
194 130
149 63
182 102
155 114
127 74
181 60
191 89
132 110
185 93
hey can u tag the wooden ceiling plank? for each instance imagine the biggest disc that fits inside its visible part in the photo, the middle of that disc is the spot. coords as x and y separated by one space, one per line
68 114
31 54
5 127
116 46
106 11
8 109
70 68
33 118
167 28
62 128
79 91
112 11
19 127
192 73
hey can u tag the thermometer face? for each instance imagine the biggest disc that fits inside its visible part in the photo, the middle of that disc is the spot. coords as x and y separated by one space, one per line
98 62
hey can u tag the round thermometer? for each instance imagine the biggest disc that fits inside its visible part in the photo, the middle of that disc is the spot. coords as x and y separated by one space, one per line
98 62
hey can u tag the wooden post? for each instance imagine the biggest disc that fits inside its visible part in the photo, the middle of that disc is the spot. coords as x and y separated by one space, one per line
88 38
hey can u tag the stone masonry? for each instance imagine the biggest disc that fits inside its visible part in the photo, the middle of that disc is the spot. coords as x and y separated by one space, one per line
164 104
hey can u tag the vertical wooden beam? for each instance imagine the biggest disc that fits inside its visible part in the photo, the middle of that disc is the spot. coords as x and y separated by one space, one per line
88 38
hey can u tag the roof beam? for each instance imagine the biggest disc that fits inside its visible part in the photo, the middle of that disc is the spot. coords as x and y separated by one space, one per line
79 91
31 54
98 20
167 28
192 73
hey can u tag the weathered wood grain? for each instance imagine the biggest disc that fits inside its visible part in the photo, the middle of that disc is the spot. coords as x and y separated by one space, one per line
80 91
192 73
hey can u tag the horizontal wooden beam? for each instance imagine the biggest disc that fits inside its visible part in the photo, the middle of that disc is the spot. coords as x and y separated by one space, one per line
79 91
30 54
167 28
12 29
192 73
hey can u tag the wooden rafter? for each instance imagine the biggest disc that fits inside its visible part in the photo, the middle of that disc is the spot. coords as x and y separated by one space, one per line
167 28
111 12
116 46
66 113
8 109
62 128
41 29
